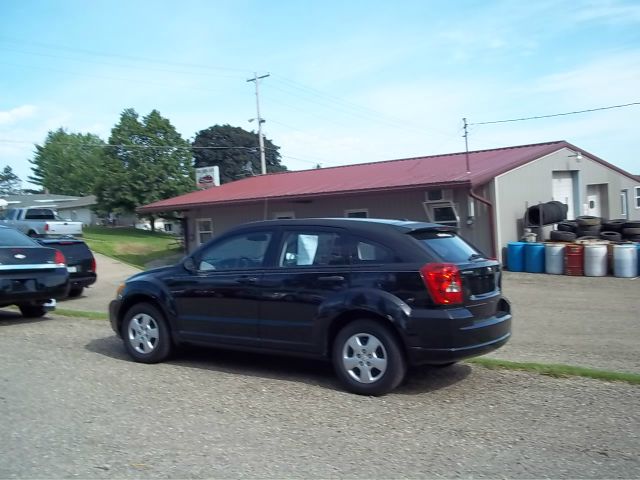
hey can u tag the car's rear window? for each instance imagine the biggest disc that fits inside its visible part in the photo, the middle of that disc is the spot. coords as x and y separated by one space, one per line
13 238
447 246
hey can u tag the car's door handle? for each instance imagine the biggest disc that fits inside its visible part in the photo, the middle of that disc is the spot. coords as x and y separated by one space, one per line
248 280
332 278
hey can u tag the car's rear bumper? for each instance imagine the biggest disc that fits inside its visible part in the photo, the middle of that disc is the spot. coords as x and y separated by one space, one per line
449 335
83 280
435 356
27 288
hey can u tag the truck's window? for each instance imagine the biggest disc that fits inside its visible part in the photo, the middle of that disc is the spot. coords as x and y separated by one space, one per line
40 214
9 214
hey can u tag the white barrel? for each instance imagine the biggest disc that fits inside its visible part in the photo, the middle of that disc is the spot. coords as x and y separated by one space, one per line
595 260
625 260
554 258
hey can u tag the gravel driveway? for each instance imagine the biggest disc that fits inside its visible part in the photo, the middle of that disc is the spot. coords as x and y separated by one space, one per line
73 406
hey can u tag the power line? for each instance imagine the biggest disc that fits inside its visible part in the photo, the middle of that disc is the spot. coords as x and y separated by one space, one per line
556 114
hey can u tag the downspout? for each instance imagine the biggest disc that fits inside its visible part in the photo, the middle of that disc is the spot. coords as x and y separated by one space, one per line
492 221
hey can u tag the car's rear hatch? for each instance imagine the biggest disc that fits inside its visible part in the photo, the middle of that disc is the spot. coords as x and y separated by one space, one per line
480 276
79 257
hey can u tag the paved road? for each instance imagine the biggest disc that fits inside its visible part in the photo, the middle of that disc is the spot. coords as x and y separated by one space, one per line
111 273
73 406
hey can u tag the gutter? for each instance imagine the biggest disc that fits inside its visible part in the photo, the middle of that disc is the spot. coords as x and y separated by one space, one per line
492 220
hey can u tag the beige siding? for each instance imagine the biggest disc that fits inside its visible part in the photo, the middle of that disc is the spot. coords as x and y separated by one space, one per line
399 205
531 184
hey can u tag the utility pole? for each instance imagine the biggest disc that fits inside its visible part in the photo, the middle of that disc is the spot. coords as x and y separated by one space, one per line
466 144
256 79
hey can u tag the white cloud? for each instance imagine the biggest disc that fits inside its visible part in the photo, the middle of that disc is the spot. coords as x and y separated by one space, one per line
16 114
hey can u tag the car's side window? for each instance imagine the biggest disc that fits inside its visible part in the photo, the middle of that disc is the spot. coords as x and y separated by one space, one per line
240 252
309 248
370 252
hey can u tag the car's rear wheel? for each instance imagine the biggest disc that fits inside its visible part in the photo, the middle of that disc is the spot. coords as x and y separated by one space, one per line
368 358
145 334
32 311
76 292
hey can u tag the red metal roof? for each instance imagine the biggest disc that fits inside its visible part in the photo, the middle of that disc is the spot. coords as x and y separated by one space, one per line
449 169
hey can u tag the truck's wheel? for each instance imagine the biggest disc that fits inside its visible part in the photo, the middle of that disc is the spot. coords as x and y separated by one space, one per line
368 358
32 234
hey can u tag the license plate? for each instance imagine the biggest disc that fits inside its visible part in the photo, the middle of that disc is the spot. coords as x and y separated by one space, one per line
72 269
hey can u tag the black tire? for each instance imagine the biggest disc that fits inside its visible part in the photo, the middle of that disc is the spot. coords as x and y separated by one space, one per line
567 226
562 236
588 220
614 225
593 230
388 348
146 327
32 234
632 224
588 237
32 311
631 231
76 292
611 236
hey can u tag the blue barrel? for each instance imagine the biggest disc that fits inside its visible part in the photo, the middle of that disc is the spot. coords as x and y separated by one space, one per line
515 256
534 257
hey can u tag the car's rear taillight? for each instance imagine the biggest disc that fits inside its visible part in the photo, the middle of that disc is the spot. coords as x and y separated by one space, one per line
59 259
444 282
93 264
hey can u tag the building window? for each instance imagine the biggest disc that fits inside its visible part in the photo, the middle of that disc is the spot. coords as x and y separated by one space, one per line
204 229
283 215
624 203
357 213
637 197
444 213
168 227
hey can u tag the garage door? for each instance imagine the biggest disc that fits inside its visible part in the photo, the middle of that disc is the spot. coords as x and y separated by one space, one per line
562 188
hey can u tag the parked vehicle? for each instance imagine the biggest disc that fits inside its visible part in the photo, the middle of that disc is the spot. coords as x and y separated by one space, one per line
81 263
39 222
32 276
373 296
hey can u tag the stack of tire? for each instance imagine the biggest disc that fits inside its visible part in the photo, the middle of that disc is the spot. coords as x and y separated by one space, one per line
588 227
631 231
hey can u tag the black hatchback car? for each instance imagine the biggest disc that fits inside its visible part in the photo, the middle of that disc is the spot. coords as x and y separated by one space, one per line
373 296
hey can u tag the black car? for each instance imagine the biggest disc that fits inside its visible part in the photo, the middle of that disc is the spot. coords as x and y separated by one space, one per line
374 296
81 263
32 276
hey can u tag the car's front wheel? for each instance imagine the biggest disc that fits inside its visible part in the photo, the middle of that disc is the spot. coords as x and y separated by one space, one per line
368 358
146 334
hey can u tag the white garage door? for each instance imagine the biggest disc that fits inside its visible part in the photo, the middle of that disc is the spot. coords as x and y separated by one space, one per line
562 188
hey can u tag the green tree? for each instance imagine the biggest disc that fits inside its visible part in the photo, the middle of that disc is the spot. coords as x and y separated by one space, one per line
242 151
147 161
9 182
68 163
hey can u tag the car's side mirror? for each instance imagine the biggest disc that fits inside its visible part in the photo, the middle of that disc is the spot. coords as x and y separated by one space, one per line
189 264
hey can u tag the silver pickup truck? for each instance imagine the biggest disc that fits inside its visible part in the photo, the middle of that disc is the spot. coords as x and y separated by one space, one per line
39 222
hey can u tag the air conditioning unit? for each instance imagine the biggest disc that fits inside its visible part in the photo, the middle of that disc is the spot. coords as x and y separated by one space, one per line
438 195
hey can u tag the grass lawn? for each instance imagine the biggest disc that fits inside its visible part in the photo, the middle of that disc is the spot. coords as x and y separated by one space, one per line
131 245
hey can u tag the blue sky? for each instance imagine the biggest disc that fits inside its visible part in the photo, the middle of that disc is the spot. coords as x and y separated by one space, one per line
350 81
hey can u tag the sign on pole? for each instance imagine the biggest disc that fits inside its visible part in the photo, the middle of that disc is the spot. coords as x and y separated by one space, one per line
207 177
